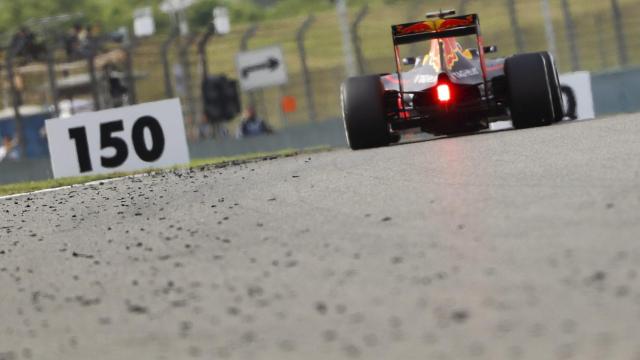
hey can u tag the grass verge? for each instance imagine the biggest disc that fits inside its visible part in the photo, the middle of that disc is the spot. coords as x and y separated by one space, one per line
26 187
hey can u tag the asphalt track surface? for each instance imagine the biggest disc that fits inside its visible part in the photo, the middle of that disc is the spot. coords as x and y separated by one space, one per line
507 245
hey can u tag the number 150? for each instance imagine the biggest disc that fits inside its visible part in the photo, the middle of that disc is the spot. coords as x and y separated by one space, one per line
109 140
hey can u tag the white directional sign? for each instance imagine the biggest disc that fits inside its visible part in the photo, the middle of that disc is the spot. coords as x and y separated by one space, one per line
261 68
138 137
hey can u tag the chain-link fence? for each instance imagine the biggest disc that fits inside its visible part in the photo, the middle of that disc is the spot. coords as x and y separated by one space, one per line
595 36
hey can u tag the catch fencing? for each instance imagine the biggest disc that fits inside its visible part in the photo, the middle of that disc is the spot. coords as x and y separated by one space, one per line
594 36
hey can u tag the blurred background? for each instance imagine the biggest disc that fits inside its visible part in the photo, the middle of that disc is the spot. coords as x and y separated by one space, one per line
62 57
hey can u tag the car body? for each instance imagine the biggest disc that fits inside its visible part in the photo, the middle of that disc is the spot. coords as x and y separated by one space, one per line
450 89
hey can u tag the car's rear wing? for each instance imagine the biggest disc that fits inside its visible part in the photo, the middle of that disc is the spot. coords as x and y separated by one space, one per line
437 26
435 29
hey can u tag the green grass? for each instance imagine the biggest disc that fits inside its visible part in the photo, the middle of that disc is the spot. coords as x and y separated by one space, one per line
32 186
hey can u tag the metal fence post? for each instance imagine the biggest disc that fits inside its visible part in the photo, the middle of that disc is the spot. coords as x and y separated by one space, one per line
202 50
549 30
410 16
570 29
619 29
186 66
129 48
515 25
244 46
5 102
357 42
602 52
462 8
16 101
342 12
91 64
164 52
246 36
306 76
51 73
203 61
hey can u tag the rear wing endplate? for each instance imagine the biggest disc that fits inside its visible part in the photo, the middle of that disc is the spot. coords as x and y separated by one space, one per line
435 29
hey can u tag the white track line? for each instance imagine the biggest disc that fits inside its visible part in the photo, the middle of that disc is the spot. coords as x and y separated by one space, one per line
97 182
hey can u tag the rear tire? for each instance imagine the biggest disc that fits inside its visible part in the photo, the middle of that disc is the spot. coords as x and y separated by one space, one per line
364 114
531 91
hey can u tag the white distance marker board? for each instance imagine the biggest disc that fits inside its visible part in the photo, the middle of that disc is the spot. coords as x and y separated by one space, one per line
132 138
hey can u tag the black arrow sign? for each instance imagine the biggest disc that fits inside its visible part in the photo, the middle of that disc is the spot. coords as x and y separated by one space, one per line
271 64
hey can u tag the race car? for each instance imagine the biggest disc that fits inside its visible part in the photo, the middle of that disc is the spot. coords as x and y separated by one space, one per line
449 88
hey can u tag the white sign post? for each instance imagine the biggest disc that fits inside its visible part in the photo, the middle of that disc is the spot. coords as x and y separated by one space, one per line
173 6
221 20
176 9
576 87
143 22
138 137
261 68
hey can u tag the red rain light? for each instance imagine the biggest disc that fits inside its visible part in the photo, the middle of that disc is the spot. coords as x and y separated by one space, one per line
444 92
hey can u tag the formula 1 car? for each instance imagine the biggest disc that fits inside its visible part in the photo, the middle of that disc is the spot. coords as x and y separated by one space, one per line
450 89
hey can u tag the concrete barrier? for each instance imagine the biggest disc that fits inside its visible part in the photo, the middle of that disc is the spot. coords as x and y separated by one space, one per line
616 91
330 133
25 170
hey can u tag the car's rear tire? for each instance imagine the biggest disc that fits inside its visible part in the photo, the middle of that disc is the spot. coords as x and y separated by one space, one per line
364 114
555 87
531 91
